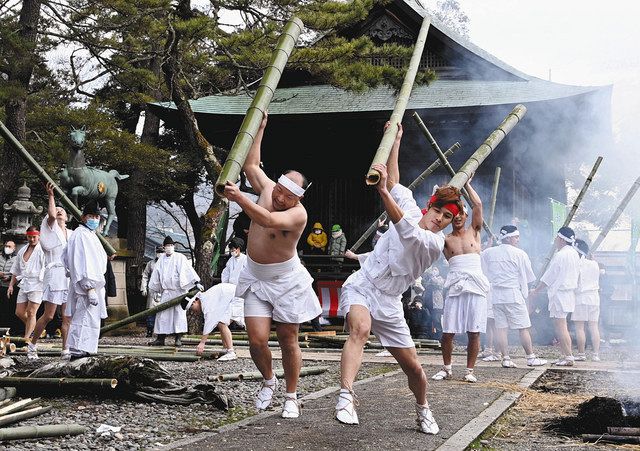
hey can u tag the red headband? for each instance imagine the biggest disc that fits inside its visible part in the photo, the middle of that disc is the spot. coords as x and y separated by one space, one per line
452 206
33 233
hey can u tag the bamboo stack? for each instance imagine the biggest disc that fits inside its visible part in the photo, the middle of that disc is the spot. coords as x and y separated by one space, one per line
12 412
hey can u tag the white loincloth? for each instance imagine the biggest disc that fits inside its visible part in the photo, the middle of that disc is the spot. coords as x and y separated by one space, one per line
286 286
465 309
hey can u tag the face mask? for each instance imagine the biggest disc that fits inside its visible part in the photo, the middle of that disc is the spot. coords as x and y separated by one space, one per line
317 232
235 252
336 234
168 249
8 250
92 223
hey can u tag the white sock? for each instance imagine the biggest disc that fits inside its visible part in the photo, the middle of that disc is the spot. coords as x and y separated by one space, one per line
469 370
504 357
447 367
531 356
293 395
271 381
423 406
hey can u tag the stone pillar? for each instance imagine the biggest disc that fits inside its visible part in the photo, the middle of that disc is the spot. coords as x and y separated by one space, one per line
118 307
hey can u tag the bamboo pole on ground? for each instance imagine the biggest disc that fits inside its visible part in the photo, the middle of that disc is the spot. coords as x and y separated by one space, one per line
417 182
50 430
382 154
25 414
606 438
45 178
254 375
251 122
494 197
143 314
18 405
485 149
616 215
42 382
447 165
572 212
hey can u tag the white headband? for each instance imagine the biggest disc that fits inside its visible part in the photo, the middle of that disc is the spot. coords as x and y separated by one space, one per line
584 254
291 185
568 240
504 234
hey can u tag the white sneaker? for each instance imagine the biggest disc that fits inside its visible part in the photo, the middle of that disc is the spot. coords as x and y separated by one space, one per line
565 361
230 355
426 422
32 352
486 353
469 377
346 408
491 358
534 361
384 353
595 358
265 395
290 409
65 355
580 357
442 374
508 363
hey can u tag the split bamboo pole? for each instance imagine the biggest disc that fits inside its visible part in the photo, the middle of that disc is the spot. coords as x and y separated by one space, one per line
382 154
494 197
45 178
25 414
251 123
616 215
50 430
52 382
143 314
447 165
485 149
417 182
18 405
572 212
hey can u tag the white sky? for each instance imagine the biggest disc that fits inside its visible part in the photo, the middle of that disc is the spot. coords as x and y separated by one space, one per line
580 42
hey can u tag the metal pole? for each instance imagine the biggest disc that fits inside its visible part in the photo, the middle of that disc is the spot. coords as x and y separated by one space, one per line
45 178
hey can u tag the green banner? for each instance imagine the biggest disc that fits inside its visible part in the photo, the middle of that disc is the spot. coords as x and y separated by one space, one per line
558 215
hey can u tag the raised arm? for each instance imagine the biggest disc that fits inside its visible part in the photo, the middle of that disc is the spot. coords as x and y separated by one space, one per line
476 213
393 170
51 209
393 210
251 167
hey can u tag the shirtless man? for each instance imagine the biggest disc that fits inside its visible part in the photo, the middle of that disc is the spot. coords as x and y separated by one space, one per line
465 309
274 284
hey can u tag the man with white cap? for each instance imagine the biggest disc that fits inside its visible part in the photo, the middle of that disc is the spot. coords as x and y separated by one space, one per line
561 280
508 269
465 308
86 262
372 296
274 284
172 276
587 303
219 306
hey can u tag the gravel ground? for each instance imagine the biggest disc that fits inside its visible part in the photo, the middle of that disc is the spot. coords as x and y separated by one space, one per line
148 425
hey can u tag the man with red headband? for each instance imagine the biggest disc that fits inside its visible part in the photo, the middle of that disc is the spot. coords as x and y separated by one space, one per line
465 308
28 269
372 295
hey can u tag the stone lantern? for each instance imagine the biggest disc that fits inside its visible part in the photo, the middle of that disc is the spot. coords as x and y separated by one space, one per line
21 212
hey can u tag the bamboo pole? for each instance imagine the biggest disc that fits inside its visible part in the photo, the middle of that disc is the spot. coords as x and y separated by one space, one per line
18 405
417 182
251 123
616 215
143 314
52 382
494 197
495 138
45 178
50 430
253 375
25 414
382 154
572 212
606 438
447 165
623 431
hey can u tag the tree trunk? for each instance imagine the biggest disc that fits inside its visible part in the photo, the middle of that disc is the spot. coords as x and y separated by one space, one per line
16 107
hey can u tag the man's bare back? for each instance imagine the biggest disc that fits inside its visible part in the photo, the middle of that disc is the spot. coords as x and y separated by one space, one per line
270 245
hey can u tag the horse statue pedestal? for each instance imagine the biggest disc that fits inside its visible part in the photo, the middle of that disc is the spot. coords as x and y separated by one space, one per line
118 307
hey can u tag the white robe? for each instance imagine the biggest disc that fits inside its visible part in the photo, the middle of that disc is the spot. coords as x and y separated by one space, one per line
172 276
588 283
220 305
231 271
561 278
86 263
508 269
152 296
30 274
54 242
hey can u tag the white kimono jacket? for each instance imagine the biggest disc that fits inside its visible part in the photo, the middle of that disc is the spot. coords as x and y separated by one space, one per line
54 242
231 271
588 283
561 278
86 262
220 305
508 269
172 276
29 274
